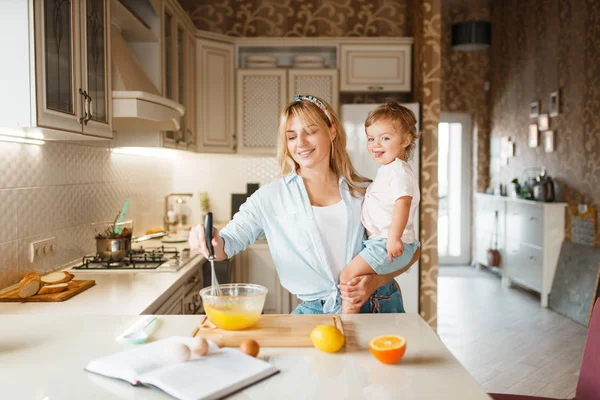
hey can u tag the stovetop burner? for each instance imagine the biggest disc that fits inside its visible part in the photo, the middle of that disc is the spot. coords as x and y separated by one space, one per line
140 258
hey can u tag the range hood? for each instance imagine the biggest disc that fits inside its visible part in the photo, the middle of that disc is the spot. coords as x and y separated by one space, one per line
137 104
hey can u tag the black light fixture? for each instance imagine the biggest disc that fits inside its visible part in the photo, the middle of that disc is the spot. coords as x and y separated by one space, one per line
471 35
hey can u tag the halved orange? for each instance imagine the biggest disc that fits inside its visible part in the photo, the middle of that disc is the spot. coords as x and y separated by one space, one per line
388 349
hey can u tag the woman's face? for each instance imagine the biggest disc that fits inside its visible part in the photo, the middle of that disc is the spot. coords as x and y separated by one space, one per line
309 146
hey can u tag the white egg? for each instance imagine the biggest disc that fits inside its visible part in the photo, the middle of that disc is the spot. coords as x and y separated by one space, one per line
199 347
177 353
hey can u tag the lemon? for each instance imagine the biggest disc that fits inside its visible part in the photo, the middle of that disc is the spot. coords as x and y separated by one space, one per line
327 338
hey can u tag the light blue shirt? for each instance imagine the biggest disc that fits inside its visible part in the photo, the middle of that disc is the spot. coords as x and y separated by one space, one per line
281 211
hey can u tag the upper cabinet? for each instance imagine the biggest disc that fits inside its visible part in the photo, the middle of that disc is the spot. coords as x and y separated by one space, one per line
215 96
178 74
68 94
375 68
263 93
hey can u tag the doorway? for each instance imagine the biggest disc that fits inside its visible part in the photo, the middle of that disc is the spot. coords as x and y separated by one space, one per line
454 189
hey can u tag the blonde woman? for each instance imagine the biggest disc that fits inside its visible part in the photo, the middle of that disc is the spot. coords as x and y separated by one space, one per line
311 216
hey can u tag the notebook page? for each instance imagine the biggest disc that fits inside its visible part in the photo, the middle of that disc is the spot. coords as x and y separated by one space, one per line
130 364
210 377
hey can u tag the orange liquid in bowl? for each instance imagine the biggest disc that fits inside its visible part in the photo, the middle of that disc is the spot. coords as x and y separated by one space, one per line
232 317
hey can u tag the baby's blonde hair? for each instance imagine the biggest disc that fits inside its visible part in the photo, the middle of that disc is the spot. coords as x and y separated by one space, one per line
310 112
401 118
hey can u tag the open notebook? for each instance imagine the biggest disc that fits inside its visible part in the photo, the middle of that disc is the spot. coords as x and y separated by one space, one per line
219 373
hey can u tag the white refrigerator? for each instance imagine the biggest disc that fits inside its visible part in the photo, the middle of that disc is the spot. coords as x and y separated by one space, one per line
353 119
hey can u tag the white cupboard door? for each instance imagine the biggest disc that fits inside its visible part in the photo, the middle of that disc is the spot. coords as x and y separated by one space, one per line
261 270
376 68
214 93
322 83
57 67
95 57
261 96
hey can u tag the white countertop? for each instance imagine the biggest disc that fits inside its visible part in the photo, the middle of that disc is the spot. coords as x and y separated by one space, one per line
519 200
44 358
124 292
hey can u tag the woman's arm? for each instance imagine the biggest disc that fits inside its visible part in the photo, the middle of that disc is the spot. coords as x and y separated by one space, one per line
359 289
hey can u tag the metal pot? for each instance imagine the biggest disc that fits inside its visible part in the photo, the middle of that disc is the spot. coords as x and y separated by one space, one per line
543 189
119 248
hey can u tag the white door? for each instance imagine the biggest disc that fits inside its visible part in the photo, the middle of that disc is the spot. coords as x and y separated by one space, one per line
353 119
454 189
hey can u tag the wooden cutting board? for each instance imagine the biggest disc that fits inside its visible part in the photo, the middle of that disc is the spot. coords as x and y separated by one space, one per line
75 287
272 330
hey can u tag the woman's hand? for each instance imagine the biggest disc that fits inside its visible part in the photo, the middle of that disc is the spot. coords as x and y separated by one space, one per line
359 289
198 243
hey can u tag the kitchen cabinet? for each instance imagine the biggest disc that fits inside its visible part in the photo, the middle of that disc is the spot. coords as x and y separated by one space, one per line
255 265
263 93
59 80
178 74
215 96
173 305
530 237
375 67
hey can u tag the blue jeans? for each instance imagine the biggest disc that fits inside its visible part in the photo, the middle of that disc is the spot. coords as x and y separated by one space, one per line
386 299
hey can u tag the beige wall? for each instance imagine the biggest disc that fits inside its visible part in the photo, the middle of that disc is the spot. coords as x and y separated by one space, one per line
538 48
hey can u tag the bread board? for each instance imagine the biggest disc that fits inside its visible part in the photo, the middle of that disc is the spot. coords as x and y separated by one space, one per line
272 330
75 287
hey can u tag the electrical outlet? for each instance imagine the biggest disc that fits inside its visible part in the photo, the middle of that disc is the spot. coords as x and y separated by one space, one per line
41 248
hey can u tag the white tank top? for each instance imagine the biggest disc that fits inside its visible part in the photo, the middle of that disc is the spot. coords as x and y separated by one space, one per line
332 222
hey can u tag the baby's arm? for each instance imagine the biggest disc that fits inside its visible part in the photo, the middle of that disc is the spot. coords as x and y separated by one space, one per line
394 244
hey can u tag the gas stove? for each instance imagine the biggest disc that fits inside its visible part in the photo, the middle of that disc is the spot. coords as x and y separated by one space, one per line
159 259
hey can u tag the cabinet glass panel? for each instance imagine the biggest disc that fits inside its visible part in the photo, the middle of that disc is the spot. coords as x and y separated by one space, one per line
169 64
180 77
58 29
95 32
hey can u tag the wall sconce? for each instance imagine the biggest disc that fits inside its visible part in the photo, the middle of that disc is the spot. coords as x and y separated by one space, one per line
471 35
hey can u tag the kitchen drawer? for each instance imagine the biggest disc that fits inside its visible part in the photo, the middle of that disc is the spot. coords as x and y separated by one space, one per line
525 223
524 264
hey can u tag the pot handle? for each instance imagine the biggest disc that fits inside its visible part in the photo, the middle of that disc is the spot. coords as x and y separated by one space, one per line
148 237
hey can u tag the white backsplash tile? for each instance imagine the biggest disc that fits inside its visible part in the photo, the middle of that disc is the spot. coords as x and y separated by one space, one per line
8 215
9 272
59 189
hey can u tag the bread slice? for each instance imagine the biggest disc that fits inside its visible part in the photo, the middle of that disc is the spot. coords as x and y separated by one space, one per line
56 277
48 289
29 285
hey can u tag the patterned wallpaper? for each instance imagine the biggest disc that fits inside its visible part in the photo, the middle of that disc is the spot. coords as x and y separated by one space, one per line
533 57
428 75
418 18
464 77
300 17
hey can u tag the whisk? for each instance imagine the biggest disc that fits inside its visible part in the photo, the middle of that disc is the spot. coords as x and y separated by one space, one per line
215 290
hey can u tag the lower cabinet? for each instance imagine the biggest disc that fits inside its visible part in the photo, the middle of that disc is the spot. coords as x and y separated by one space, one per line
173 305
255 265
530 235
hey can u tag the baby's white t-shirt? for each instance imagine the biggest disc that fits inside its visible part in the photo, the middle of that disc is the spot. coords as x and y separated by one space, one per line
392 181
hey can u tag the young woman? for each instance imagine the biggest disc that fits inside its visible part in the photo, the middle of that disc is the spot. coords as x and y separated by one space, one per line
311 216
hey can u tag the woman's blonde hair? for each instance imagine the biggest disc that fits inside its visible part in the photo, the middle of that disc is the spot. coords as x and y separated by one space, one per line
401 118
313 110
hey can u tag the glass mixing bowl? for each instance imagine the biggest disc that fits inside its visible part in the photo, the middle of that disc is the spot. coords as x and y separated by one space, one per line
239 307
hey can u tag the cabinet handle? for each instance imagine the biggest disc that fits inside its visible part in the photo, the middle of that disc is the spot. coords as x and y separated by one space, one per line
84 117
375 88
90 112
532 218
531 257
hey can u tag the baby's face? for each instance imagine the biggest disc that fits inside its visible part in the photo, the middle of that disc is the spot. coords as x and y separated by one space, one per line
385 143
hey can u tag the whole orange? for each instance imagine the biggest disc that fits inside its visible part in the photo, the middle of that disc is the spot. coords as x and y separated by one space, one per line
327 338
388 349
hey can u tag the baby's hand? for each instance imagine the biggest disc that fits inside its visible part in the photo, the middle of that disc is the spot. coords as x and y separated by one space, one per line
395 248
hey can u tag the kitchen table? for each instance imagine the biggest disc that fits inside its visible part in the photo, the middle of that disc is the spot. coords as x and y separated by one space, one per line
43 356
